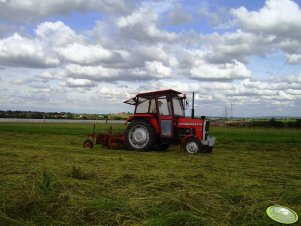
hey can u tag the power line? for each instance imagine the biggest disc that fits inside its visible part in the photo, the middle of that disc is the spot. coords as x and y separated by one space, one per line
297 69
285 63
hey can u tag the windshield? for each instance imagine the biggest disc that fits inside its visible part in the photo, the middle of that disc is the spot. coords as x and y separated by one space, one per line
177 106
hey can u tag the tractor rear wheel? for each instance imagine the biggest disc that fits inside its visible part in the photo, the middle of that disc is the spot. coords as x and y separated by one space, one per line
140 136
192 145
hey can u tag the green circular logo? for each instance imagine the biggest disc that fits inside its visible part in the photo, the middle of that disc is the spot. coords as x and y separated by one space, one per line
282 214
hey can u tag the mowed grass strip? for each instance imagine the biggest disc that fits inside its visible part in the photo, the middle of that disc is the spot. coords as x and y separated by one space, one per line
48 178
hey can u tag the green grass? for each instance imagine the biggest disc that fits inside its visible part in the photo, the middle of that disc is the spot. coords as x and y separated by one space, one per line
258 135
47 178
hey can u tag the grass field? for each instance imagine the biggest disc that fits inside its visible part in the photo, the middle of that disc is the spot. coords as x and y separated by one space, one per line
47 178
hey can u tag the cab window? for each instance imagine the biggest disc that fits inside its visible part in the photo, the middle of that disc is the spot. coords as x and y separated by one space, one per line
177 106
142 106
145 105
164 106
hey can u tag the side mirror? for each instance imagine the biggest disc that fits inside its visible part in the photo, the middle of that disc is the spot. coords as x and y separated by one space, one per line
184 101
186 104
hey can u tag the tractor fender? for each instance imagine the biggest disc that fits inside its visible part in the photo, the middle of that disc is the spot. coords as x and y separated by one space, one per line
186 138
148 117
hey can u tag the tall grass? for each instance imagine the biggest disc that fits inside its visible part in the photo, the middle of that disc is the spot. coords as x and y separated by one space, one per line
47 178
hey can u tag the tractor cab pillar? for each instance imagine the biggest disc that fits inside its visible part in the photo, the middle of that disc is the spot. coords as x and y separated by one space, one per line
165 116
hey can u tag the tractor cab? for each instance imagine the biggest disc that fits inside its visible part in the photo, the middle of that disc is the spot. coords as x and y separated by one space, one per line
159 120
164 106
165 102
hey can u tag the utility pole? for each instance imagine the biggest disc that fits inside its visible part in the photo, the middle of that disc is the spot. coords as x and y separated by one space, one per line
231 112
226 112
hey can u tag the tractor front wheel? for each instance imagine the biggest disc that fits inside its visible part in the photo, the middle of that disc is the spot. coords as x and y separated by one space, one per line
140 136
192 145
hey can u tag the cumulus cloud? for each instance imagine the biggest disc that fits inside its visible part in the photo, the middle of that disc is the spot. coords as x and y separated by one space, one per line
132 48
294 58
236 45
282 17
24 52
228 71
38 51
141 25
70 82
56 34
157 52
245 91
31 10
85 54
96 73
157 69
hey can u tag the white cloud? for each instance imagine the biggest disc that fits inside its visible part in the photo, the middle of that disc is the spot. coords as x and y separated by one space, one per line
228 71
31 10
281 17
56 34
134 47
24 52
91 72
157 69
141 25
113 95
85 54
236 45
294 59
158 52
70 82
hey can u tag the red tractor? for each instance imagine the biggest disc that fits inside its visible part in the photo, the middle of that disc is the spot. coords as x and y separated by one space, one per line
158 121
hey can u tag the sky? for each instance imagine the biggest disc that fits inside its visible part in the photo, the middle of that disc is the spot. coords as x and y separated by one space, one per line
88 56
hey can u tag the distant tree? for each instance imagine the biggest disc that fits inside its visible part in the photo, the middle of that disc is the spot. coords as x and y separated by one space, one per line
69 115
295 124
274 123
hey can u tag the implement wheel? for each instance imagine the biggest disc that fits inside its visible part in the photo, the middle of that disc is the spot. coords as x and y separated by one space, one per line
88 144
140 136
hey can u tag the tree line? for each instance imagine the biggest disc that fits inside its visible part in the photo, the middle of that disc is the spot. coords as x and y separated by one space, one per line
273 123
62 115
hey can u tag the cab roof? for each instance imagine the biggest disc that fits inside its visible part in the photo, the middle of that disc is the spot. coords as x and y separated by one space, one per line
133 100
159 92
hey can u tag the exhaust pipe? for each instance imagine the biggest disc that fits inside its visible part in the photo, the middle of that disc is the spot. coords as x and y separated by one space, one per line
192 107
